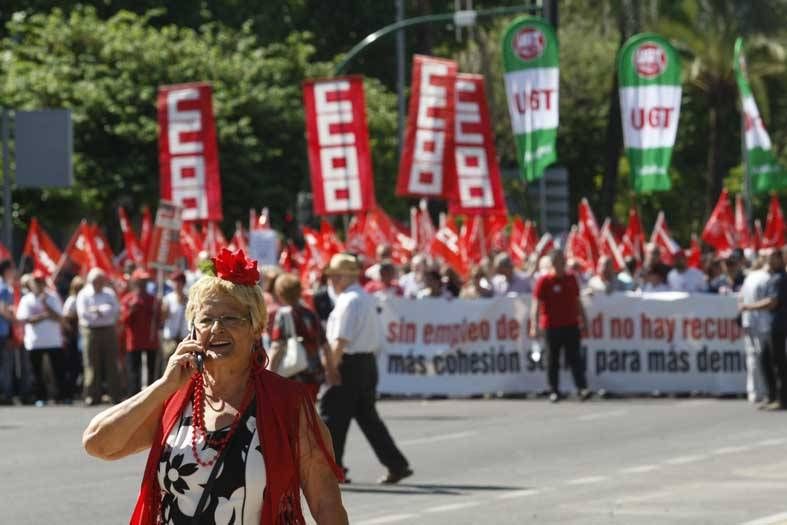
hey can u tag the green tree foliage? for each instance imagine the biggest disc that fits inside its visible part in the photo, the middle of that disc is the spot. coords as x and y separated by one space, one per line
107 72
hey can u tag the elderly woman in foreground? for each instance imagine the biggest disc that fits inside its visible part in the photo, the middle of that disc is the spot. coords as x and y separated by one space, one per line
230 442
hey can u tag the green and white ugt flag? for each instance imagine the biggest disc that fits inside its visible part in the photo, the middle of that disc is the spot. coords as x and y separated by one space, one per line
649 78
765 173
530 59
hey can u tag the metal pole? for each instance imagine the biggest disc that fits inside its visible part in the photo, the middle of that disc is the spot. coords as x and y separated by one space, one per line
400 75
746 175
7 223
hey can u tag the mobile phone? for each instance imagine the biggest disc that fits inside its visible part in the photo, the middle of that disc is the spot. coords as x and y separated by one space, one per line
200 357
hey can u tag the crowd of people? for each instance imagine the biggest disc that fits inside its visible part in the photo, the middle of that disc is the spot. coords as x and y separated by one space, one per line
104 336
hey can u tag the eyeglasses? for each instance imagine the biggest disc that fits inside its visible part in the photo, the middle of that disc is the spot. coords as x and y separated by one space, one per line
227 321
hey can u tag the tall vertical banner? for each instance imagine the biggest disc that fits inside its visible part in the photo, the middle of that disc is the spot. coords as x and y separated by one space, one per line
479 189
765 173
426 167
531 62
649 77
188 154
338 145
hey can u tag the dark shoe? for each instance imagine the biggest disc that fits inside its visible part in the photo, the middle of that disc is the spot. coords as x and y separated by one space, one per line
395 477
585 394
772 407
554 397
6 401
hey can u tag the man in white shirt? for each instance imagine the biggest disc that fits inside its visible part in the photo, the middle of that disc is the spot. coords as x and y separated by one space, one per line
415 280
684 279
41 311
507 280
757 330
355 335
174 314
98 311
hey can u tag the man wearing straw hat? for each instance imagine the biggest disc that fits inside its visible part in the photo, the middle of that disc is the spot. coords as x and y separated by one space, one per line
355 335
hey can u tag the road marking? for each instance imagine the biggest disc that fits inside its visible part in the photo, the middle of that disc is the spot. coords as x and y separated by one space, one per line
587 481
387 519
730 450
453 506
602 415
769 520
433 439
639 470
770 442
682 460
518 494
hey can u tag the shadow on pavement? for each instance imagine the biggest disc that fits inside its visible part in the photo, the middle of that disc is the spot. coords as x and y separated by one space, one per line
423 489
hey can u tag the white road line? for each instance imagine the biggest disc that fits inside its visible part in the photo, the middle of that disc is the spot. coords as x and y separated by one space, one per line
639 470
682 460
453 506
730 450
769 520
518 494
391 518
433 439
587 481
602 415
771 442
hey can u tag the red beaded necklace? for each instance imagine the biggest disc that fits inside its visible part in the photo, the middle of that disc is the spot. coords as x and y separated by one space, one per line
198 421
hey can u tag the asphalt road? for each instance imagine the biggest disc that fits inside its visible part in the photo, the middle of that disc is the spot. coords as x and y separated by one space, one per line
631 461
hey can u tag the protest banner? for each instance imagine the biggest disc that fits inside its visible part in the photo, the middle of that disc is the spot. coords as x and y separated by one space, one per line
667 342
338 145
188 152
649 77
264 247
531 63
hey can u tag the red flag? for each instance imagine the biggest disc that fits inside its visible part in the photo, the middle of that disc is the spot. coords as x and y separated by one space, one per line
330 241
83 250
379 229
4 253
239 238
104 251
719 231
578 249
756 239
609 246
355 237
515 242
529 238
214 239
188 155
661 237
287 257
479 188
426 166
634 237
146 232
479 233
774 225
133 250
423 230
338 145
694 254
446 245
545 245
588 227
742 234
41 249
190 243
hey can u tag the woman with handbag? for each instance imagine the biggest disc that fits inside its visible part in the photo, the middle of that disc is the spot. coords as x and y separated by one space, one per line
297 338
228 440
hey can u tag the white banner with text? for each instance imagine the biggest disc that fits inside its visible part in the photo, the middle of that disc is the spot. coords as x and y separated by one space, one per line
667 342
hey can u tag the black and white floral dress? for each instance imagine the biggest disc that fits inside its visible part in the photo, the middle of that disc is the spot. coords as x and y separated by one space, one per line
236 497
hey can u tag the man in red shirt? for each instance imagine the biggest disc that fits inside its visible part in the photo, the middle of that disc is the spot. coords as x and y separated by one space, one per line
140 319
557 311
386 286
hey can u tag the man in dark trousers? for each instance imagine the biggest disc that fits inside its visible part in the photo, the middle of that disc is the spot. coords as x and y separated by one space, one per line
355 335
774 360
557 311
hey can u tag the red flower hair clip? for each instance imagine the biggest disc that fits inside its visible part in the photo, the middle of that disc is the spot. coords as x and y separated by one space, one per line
235 267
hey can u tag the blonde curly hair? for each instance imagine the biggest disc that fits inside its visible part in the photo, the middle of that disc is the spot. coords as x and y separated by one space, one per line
250 297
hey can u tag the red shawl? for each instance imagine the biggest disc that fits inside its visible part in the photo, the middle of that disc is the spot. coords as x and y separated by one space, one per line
279 402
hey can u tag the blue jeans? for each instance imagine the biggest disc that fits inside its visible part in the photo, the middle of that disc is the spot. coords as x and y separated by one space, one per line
6 369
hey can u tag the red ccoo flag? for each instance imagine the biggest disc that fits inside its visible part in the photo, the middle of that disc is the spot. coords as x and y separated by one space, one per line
41 249
146 232
773 237
661 237
133 250
578 249
609 246
742 233
588 227
446 245
693 254
634 237
719 231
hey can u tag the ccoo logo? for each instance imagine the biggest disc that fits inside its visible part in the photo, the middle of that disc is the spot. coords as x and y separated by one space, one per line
650 60
529 43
